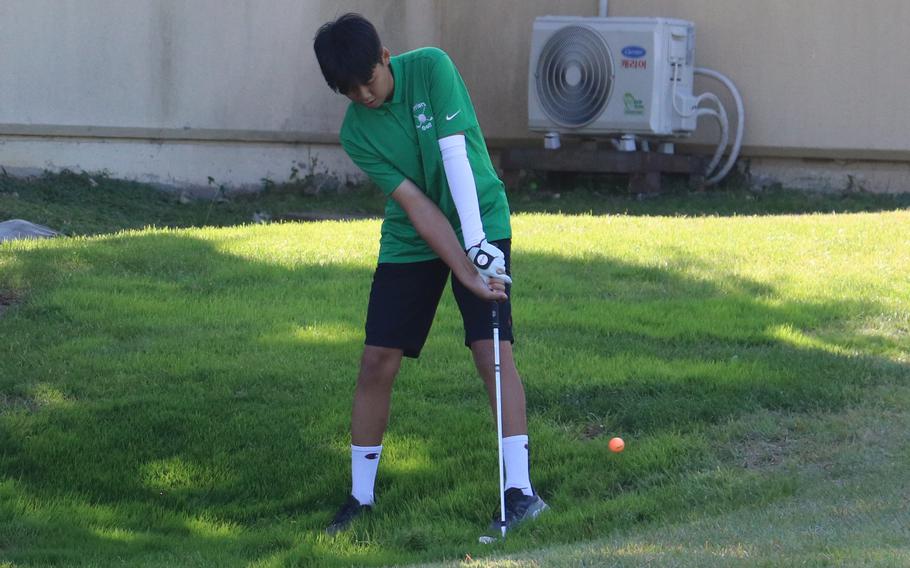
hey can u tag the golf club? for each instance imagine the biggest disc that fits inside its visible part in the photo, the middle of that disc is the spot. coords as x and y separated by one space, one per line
502 494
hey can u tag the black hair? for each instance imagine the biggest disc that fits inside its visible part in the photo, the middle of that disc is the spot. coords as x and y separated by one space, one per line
347 49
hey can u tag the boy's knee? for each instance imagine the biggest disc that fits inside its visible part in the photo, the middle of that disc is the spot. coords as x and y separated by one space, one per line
380 357
379 364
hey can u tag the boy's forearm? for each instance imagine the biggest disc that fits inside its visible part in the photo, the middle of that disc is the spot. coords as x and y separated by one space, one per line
435 229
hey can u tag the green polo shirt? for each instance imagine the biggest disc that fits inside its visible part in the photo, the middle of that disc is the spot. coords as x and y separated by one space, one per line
399 141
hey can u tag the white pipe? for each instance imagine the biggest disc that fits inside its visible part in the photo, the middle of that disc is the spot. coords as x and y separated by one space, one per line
603 8
721 115
740 122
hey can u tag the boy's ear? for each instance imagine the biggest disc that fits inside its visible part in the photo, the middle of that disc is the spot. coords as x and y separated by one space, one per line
386 56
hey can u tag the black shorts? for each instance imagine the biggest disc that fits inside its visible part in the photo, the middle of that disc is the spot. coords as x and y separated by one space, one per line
404 298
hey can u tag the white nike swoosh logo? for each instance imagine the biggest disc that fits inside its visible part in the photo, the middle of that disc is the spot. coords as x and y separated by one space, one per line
453 116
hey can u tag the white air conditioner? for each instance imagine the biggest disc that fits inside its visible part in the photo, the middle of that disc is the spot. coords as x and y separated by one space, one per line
611 76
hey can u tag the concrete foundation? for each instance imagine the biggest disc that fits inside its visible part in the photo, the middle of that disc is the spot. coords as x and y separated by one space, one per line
828 175
200 168
186 166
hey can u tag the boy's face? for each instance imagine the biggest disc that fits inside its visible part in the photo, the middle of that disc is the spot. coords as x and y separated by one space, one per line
380 86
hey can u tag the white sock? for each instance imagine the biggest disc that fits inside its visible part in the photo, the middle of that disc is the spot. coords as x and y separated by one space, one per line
515 455
364 463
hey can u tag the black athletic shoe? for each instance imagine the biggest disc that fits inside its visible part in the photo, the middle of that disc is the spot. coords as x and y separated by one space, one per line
346 515
519 508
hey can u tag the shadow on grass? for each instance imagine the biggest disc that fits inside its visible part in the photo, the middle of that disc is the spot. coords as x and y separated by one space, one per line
91 204
179 401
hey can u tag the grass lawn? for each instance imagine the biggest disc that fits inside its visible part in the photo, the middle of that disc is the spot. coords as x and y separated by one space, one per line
181 396
87 204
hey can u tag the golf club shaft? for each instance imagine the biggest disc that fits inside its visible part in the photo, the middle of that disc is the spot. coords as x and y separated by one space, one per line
496 370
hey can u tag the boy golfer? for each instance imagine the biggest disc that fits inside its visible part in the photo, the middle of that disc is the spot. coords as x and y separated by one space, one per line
411 128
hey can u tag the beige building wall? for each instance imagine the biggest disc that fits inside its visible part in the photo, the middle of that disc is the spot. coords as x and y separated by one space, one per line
819 77
205 69
175 91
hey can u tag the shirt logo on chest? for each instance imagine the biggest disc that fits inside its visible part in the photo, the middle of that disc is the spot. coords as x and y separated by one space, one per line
421 121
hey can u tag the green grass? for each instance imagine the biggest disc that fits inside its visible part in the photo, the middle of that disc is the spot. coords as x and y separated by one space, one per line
85 204
182 396
848 508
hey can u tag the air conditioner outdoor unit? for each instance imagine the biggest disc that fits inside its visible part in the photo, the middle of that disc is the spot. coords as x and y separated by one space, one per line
611 76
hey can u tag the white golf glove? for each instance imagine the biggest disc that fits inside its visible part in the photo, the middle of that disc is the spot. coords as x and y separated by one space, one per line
489 261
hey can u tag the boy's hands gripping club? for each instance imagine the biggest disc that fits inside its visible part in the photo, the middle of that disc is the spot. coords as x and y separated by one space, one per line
489 262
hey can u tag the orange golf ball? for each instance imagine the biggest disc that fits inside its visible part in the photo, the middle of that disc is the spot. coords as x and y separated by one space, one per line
617 445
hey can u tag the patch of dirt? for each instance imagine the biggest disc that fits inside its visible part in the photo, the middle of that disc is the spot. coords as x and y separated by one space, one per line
592 430
761 454
7 299
14 403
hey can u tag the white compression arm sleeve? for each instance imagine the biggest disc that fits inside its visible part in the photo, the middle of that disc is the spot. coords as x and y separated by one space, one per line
464 189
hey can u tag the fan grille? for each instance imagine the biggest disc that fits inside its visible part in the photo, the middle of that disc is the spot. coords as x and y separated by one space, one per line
574 76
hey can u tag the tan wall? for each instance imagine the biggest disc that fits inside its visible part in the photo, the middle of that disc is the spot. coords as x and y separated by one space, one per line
492 54
177 91
821 78
168 68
